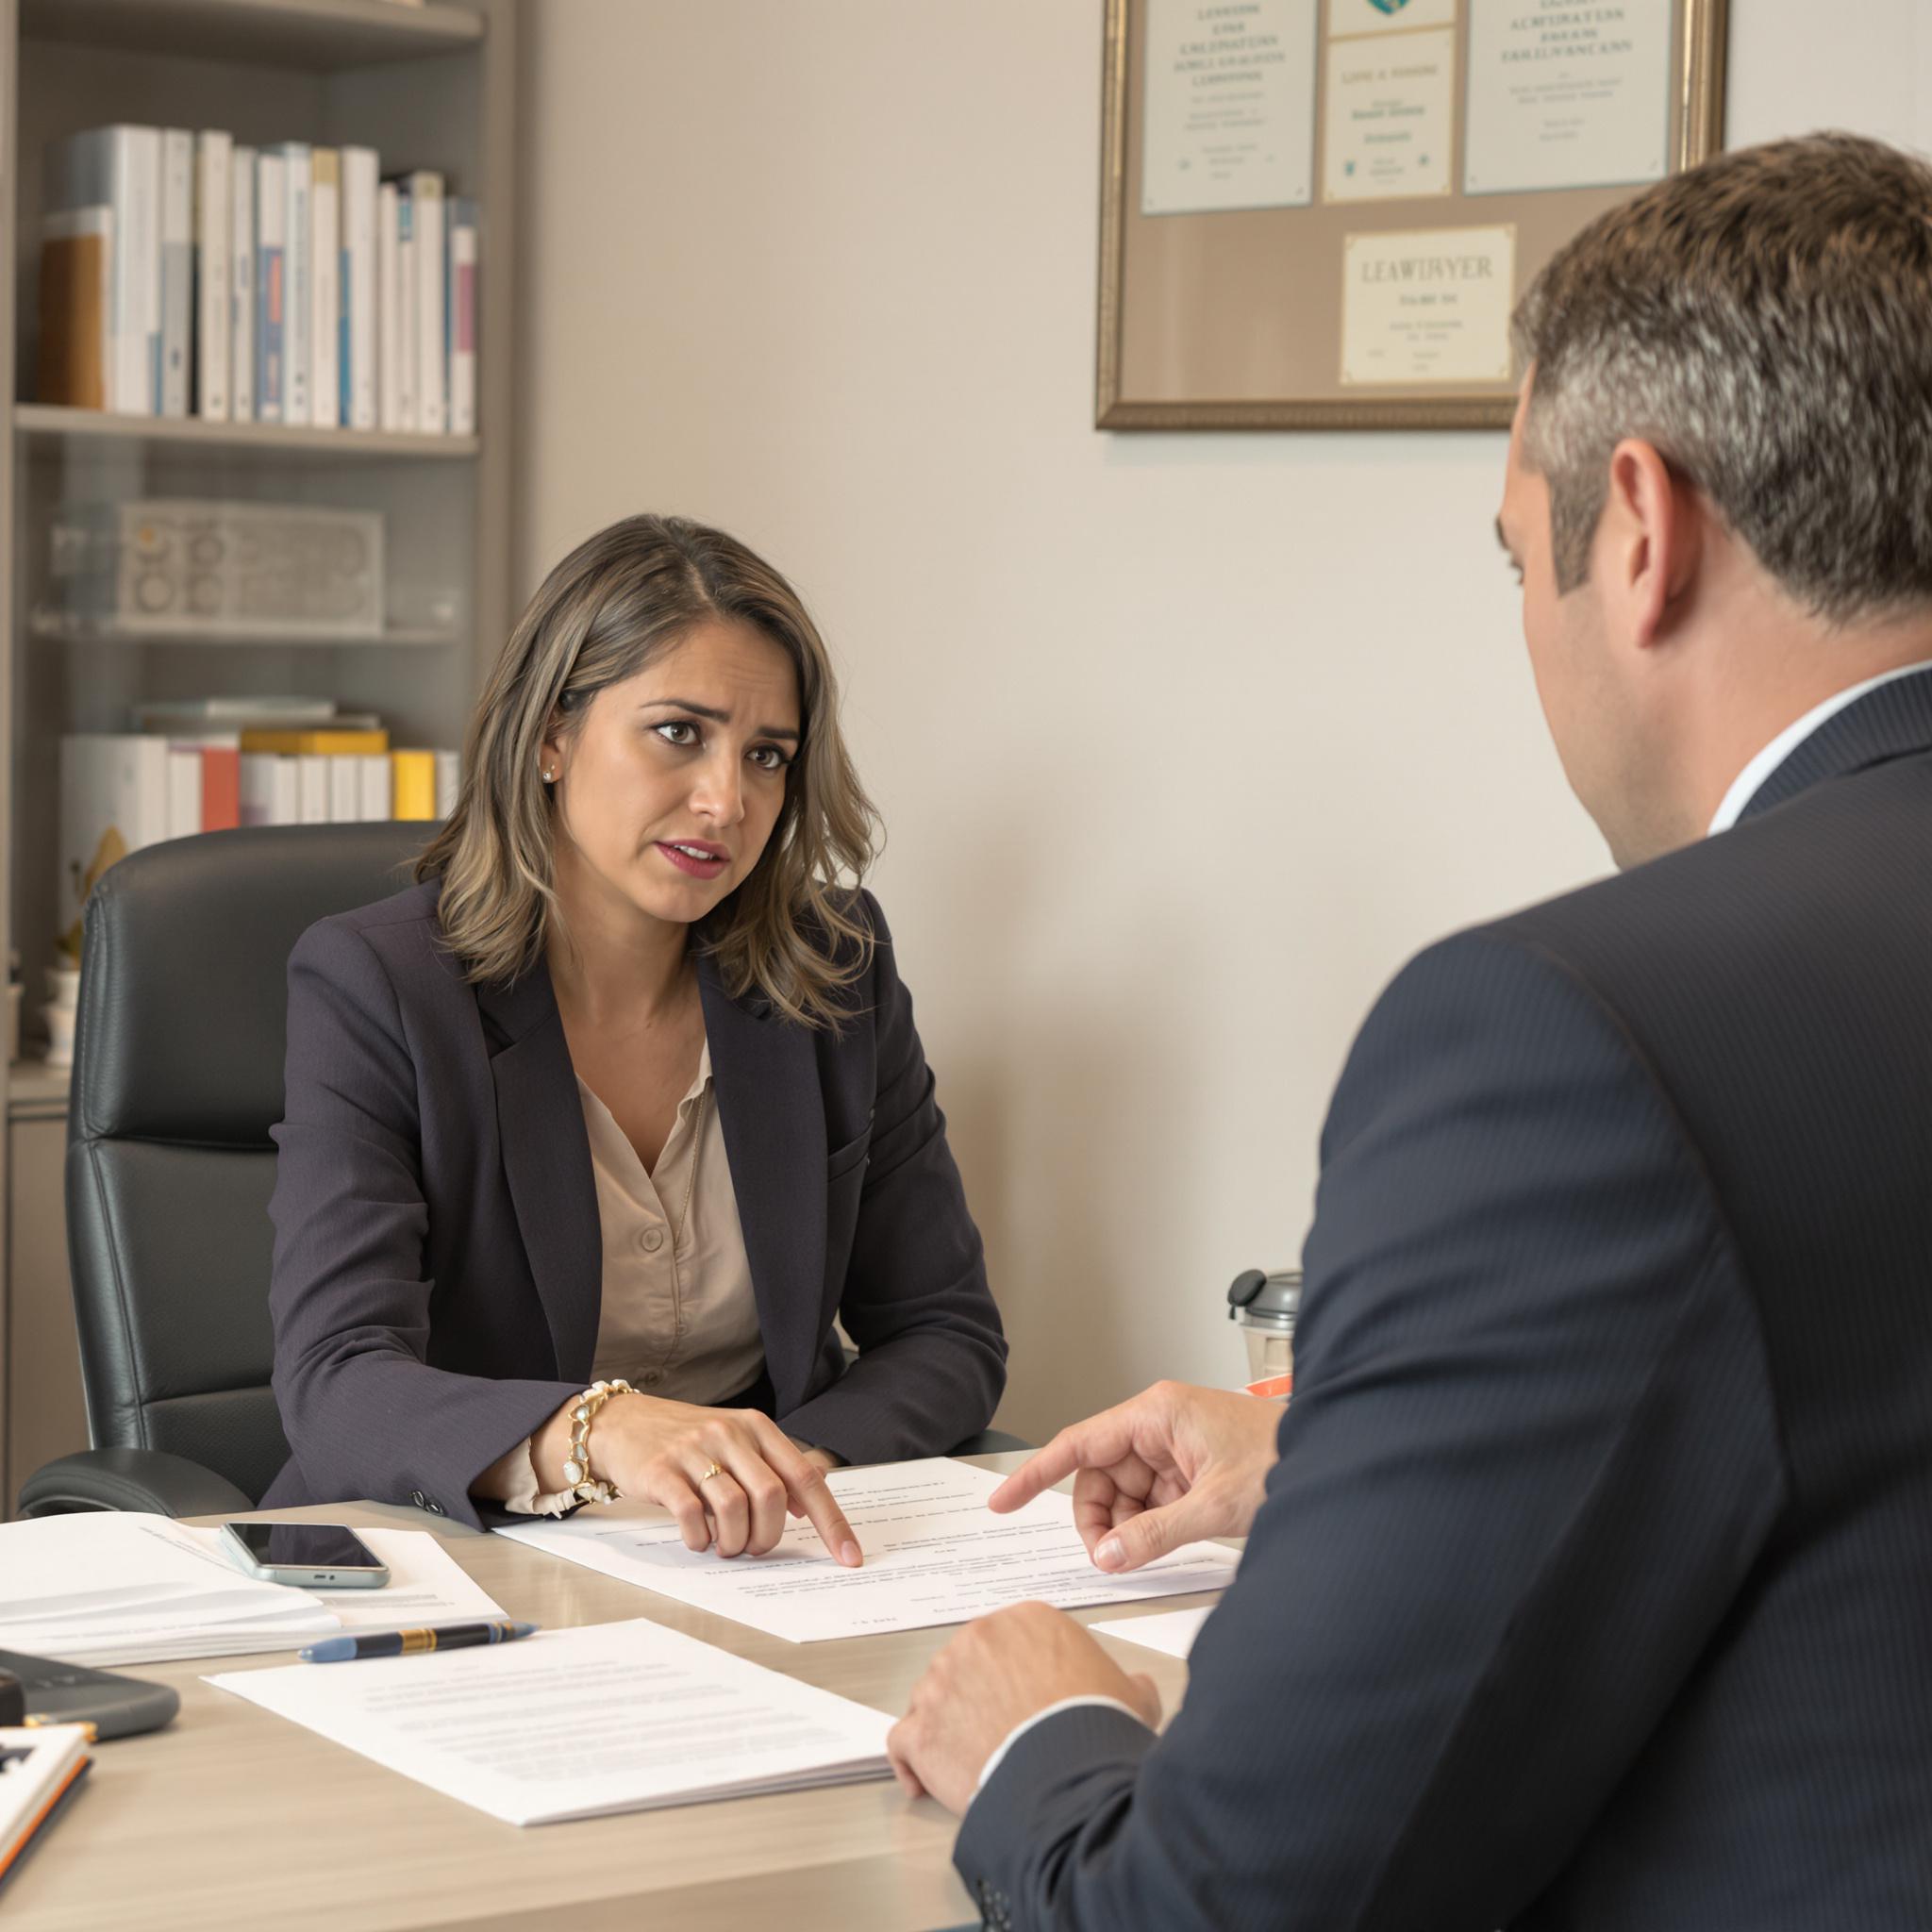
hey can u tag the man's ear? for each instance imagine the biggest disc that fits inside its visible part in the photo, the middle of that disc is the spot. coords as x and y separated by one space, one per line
1649 542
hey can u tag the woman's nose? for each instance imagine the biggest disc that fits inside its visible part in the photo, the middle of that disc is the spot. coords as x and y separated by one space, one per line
719 794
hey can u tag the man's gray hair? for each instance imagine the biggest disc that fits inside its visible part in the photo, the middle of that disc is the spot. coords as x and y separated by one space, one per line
1765 321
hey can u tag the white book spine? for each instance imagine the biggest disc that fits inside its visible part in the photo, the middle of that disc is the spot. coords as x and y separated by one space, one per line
463 325
432 408
406 312
376 786
177 269
449 781
344 790
242 287
285 792
298 307
113 801
389 311
359 173
325 284
311 786
213 266
257 787
271 288
184 794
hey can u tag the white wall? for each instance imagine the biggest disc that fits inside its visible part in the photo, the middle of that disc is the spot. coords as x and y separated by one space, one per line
1184 741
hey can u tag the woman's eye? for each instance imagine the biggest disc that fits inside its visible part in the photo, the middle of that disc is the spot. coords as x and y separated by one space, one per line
768 758
670 731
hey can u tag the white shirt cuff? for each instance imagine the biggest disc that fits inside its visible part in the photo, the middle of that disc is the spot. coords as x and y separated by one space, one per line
1026 1724
528 1496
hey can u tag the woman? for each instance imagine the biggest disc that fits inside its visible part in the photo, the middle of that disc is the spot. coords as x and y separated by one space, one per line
625 1090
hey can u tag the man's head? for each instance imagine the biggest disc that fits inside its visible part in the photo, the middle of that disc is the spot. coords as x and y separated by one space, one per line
1720 484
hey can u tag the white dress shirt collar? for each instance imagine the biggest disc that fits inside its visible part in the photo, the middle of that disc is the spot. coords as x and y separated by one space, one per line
1744 786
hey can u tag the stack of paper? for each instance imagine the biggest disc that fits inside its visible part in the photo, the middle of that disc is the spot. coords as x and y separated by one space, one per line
115 1586
580 1723
122 1587
934 1554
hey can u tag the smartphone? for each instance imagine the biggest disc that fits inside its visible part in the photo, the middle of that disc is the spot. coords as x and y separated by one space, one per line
312 1556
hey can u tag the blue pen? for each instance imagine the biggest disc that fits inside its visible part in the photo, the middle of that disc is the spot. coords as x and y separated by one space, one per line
341 1650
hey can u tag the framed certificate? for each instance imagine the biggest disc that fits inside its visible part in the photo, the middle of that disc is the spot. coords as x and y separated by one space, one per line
1318 214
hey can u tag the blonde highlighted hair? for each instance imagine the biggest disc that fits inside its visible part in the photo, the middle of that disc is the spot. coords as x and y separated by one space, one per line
616 602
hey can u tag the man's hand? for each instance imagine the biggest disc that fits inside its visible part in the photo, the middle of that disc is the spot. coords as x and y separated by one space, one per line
1172 1466
995 1674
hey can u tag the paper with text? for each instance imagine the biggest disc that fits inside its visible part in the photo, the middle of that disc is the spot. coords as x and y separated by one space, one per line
580 1723
934 1554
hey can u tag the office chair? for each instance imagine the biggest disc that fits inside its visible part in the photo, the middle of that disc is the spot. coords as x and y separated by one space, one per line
177 1079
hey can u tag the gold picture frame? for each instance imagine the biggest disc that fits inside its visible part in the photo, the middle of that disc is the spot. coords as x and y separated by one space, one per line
1263 316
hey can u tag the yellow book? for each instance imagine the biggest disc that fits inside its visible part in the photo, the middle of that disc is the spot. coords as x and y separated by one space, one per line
335 744
415 784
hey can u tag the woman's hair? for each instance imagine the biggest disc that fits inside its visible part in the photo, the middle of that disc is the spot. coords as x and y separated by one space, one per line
613 606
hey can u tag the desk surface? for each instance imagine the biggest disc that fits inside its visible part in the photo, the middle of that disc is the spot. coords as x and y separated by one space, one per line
233 1816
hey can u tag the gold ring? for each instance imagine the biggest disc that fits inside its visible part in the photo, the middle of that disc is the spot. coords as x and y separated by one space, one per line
716 1469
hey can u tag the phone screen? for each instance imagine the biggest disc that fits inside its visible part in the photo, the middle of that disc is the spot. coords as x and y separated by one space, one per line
305 1546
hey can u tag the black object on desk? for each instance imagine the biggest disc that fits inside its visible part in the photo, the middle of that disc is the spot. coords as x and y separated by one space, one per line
53 1693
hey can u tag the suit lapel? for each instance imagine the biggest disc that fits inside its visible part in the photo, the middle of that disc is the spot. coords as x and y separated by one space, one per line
765 1076
546 1160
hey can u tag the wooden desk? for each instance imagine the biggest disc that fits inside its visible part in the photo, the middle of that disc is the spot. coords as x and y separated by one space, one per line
234 1817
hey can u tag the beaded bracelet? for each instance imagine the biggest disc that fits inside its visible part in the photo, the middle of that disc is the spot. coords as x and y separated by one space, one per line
577 1478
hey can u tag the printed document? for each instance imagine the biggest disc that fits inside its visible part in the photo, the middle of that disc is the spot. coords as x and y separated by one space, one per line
1172 1632
580 1724
934 1554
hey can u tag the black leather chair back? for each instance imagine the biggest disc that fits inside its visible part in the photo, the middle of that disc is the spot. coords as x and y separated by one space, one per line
177 1079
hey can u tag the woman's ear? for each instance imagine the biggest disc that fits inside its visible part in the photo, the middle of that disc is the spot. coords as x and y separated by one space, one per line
550 754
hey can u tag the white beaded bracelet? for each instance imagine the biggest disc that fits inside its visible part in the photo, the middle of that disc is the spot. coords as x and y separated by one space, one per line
577 1478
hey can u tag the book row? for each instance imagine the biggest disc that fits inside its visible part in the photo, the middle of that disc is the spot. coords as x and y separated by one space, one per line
182 273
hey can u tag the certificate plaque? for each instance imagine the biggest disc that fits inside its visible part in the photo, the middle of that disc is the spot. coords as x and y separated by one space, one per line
1230 106
1322 213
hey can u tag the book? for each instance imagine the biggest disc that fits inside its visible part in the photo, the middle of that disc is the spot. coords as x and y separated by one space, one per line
113 801
269 790
432 407
326 271
76 346
214 261
321 740
221 787
463 238
360 171
406 411
177 269
180 715
242 287
120 168
299 305
345 791
312 788
376 784
184 791
414 778
389 311
41 1769
449 782
271 287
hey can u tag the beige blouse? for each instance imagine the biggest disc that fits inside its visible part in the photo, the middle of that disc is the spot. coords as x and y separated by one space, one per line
678 1317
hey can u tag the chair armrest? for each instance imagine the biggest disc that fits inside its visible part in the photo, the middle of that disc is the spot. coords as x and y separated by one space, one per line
150 1479
989 1443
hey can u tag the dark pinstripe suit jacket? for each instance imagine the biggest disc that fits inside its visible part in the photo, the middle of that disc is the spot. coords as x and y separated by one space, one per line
438 1268
1594 1586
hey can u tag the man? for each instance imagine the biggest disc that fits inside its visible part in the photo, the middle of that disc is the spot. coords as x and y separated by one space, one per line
1592 1585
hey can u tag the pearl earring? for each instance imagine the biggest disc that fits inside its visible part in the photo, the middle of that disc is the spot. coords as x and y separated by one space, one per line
550 774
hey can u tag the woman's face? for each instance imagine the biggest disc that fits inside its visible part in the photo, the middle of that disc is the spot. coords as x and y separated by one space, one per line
668 790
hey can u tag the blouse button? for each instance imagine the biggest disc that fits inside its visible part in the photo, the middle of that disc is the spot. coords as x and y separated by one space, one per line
651 1240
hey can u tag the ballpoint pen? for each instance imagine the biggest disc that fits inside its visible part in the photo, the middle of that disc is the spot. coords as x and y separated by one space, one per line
338 1650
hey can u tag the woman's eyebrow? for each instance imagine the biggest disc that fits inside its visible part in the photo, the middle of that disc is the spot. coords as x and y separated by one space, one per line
712 712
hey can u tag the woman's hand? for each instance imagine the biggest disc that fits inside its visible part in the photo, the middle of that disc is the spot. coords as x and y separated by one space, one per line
660 1451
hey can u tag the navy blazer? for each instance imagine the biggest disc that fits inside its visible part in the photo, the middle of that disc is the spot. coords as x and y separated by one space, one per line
1593 1589
438 1259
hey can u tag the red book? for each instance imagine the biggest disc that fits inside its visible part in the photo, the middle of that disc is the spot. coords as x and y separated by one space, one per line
220 790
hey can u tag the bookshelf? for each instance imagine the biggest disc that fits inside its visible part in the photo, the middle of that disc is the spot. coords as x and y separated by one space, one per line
428 86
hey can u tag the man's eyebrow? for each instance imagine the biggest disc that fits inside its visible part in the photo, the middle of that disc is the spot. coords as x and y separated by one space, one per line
718 717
